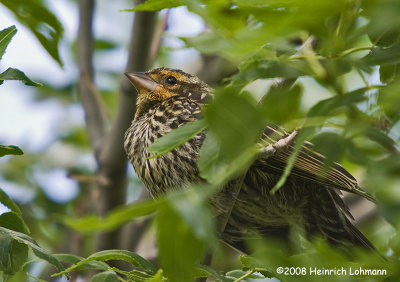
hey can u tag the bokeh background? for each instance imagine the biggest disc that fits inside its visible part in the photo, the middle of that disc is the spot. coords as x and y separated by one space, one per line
63 172
36 119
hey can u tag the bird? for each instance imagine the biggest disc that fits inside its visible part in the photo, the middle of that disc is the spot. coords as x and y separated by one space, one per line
169 98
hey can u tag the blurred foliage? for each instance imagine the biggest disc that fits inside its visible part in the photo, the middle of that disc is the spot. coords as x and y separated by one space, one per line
344 47
15 239
41 21
183 134
10 150
11 74
5 37
14 74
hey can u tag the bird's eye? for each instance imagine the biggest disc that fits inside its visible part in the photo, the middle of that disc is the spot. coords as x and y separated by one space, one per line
171 80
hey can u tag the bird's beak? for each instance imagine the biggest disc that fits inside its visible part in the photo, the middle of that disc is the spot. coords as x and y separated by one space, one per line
142 81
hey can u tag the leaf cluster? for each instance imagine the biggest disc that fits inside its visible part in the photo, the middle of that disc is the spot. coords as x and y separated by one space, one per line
331 43
14 234
11 74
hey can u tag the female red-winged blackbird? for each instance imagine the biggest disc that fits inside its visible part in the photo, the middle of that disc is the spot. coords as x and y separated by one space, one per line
169 98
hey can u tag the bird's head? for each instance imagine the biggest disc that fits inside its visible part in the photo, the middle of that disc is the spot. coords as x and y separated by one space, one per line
158 85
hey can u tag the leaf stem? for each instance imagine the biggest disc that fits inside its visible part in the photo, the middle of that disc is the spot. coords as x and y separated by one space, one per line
357 49
307 56
247 274
362 77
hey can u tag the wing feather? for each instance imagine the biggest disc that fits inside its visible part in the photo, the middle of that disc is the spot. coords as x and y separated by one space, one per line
310 165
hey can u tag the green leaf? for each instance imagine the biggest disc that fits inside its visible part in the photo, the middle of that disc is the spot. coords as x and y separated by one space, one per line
383 56
209 43
41 21
253 263
107 276
236 124
176 138
35 278
384 25
242 275
192 205
5 200
220 171
13 254
383 38
134 275
185 228
381 138
388 73
21 238
5 37
99 264
207 271
235 121
107 255
231 144
114 219
124 255
13 221
158 277
301 138
156 5
208 156
256 68
179 248
250 262
104 45
327 106
332 146
10 150
282 106
14 74
73 259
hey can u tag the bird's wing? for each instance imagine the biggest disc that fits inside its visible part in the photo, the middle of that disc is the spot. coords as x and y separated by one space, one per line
310 165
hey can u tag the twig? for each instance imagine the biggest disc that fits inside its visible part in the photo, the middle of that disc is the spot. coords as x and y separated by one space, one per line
158 33
96 96
279 145
90 179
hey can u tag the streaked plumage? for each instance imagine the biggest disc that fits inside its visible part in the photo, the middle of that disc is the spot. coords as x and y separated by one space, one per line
169 98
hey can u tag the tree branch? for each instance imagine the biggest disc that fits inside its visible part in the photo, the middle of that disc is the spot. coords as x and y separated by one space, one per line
113 154
93 111
112 160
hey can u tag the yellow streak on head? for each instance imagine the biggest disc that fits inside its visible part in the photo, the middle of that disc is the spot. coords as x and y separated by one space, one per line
146 98
162 93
